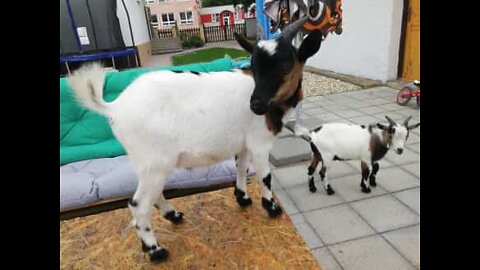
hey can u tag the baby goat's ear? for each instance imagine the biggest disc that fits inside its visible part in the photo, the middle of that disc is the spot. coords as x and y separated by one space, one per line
383 127
413 126
244 43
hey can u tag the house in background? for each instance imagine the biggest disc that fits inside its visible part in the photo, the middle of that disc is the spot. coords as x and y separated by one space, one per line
167 13
222 15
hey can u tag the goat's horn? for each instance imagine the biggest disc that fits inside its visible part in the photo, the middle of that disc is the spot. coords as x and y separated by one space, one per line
293 29
390 120
405 123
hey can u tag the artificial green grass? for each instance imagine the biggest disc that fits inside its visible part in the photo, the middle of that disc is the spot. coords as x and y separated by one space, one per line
207 55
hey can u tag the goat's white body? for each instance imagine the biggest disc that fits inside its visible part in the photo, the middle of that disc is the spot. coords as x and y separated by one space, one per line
191 120
346 141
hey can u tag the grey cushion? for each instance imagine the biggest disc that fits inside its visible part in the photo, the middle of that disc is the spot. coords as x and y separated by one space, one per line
87 181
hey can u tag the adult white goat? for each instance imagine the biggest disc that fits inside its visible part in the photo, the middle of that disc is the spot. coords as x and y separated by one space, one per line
338 142
168 119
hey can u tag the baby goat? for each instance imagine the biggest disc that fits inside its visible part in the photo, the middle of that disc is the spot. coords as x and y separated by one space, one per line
167 120
339 142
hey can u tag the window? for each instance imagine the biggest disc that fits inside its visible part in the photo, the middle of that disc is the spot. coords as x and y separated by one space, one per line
237 16
162 1
168 19
149 2
154 20
186 17
215 17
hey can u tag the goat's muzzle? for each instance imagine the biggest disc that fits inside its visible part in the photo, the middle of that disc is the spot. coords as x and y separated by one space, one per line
259 107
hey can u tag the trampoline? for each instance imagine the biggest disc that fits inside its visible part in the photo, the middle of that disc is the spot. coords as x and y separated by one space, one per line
90 31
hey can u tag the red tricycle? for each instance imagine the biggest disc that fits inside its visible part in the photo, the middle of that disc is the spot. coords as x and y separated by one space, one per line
409 91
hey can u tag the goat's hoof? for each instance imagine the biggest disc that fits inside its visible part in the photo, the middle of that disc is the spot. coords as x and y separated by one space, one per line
273 209
239 195
174 216
244 202
313 189
366 189
159 255
329 190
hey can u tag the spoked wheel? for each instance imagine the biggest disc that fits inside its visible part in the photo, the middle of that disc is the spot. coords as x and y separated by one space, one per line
404 96
418 101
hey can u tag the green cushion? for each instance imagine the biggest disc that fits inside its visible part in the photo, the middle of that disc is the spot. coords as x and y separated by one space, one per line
87 135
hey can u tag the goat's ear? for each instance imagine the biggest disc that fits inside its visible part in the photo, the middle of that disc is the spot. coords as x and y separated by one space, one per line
413 126
244 43
310 45
383 127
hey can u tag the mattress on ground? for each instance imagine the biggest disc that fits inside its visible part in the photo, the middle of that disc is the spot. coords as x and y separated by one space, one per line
88 181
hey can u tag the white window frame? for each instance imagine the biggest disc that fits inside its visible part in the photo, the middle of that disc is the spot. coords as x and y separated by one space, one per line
154 24
186 21
216 17
162 1
150 2
168 22
227 18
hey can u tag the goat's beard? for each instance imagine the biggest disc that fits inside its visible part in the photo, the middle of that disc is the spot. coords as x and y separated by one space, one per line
274 117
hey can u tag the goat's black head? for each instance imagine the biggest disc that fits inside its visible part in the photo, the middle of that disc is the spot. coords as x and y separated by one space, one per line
277 68
398 133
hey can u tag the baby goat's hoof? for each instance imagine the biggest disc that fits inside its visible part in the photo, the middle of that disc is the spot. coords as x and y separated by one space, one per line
373 183
366 189
273 209
174 216
329 190
313 188
159 255
239 195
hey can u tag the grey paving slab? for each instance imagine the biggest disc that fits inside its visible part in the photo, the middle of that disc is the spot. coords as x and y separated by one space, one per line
325 259
348 187
370 110
385 213
415 147
292 175
364 120
306 231
413 168
408 156
286 203
395 179
407 242
411 198
289 150
358 104
315 111
349 113
338 223
306 200
413 139
372 253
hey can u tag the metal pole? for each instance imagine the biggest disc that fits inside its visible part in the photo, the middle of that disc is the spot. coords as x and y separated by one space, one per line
74 26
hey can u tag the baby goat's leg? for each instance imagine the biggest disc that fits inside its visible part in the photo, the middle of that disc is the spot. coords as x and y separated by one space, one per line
327 161
150 186
311 171
365 172
240 192
264 177
375 168
168 211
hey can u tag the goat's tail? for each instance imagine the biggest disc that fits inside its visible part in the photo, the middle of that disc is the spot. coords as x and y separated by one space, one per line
301 131
87 84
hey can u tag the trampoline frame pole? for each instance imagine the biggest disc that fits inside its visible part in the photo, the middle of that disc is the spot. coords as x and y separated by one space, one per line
74 26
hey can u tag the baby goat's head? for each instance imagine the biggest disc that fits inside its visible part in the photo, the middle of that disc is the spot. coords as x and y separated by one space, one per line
277 68
398 133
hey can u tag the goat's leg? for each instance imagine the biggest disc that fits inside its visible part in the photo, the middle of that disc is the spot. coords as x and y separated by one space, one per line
150 186
311 172
240 192
365 172
265 178
375 168
168 211
327 161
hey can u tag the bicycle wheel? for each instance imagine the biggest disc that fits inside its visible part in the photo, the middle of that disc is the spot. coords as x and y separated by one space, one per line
404 96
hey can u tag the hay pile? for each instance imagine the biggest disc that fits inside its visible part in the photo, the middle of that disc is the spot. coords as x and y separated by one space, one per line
216 234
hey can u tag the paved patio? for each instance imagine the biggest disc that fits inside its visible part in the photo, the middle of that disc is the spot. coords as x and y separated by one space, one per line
350 229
